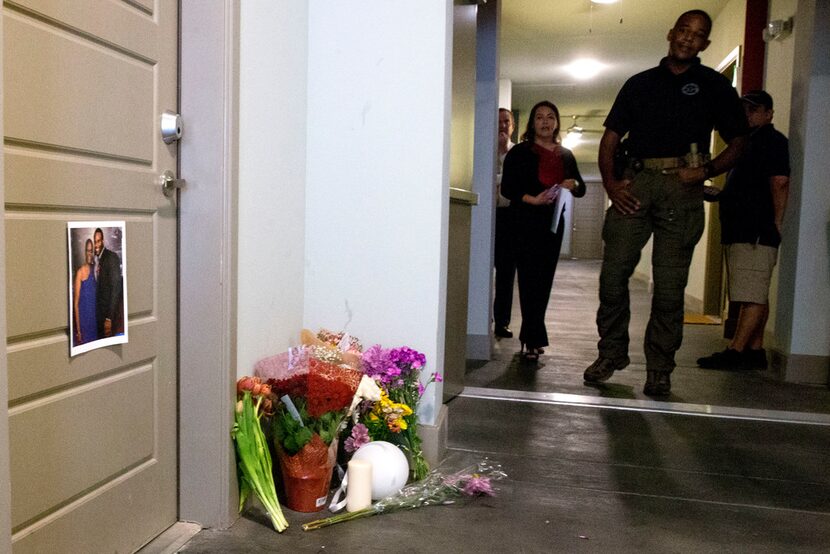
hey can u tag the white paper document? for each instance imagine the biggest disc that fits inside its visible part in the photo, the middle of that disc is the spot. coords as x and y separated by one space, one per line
558 208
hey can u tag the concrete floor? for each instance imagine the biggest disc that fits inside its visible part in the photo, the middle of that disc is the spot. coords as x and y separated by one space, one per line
731 462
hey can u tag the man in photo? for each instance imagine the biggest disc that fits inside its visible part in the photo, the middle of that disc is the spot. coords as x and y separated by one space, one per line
110 291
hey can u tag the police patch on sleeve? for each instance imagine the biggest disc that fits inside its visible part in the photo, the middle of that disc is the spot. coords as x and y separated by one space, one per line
690 89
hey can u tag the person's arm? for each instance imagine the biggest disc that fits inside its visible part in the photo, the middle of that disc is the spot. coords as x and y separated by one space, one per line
618 190
76 299
722 163
510 185
573 179
780 188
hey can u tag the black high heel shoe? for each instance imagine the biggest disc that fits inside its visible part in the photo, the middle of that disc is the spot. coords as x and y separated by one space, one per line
530 353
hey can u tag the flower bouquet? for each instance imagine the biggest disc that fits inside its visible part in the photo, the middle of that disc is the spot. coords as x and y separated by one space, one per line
393 418
315 397
434 489
253 459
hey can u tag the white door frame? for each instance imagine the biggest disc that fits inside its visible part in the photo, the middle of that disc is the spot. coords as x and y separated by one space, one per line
208 158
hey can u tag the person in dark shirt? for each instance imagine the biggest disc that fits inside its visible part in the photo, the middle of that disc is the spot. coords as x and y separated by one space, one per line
536 172
752 208
504 257
668 113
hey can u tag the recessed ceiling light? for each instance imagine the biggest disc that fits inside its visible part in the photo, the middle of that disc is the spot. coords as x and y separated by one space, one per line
584 68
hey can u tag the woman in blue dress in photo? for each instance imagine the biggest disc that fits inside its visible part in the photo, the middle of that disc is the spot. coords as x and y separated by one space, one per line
86 323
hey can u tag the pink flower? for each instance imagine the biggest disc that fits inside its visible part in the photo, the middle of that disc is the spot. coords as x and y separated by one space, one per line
477 485
358 437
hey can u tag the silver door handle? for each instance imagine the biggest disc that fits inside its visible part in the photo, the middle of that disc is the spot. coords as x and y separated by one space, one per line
169 183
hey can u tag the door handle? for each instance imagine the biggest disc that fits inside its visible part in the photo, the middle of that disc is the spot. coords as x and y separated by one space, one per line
169 183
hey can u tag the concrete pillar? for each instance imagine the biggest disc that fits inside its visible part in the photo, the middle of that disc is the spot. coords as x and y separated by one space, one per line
803 316
480 304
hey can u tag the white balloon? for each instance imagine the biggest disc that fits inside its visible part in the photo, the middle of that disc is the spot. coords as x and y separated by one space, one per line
390 468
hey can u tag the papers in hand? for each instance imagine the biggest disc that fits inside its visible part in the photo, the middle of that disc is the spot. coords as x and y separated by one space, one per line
559 207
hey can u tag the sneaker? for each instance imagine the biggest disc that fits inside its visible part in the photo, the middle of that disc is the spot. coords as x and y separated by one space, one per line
728 359
603 368
756 359
658 383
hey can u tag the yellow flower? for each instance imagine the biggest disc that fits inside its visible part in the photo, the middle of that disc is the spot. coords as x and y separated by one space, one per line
397 425
392 412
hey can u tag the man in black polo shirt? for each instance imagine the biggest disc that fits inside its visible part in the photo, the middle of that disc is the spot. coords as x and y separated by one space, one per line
668 113
751 213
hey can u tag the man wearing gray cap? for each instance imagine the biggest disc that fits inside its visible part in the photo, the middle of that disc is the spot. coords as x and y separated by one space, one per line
752 208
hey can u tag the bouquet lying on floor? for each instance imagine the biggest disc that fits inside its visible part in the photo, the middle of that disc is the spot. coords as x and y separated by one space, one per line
435 489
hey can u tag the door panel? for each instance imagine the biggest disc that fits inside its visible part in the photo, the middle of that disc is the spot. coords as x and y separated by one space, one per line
49 91
93 453
36 237
588 216
92 438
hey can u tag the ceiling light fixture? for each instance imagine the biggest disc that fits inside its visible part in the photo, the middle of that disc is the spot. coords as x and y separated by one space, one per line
584 69
573 135
604 1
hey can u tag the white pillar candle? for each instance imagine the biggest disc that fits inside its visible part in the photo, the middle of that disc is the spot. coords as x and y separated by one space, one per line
359 490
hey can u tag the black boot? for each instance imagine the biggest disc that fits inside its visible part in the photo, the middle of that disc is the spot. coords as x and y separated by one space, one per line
658 383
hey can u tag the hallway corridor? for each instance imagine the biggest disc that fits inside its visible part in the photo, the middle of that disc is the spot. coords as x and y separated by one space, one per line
729 463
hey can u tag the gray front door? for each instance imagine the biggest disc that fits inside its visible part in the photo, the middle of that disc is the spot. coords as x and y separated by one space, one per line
92 438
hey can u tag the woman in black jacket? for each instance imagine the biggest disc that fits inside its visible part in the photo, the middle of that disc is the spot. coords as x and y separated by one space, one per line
535 171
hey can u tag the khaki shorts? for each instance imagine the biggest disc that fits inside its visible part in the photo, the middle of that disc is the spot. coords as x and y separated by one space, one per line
749 268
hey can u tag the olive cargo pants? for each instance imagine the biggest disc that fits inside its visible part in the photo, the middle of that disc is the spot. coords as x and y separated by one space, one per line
673 213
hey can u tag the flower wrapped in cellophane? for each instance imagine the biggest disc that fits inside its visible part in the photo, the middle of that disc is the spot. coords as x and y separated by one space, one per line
393 417
316 385
435 489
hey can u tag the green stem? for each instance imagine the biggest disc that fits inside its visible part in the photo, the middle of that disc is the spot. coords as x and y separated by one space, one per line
349 516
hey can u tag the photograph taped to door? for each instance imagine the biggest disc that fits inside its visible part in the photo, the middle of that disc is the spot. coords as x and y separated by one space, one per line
97 285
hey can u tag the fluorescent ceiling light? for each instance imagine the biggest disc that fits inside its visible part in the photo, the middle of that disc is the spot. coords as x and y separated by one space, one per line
604 1
584 68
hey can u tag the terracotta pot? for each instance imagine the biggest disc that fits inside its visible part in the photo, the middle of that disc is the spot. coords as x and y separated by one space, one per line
306 476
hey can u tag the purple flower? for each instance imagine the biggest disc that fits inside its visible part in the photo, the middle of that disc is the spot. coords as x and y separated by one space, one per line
377 363
408 359
476 485
358 437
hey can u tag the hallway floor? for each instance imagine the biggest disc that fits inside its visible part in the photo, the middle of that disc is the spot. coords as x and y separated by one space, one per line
731 462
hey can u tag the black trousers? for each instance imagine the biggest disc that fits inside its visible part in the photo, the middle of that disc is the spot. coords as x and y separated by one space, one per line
537 253
505 264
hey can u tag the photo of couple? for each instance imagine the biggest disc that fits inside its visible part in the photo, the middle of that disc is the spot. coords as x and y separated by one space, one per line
97 285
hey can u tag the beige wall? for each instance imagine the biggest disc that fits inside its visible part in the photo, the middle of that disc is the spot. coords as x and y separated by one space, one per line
463 97
778 81
727 33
